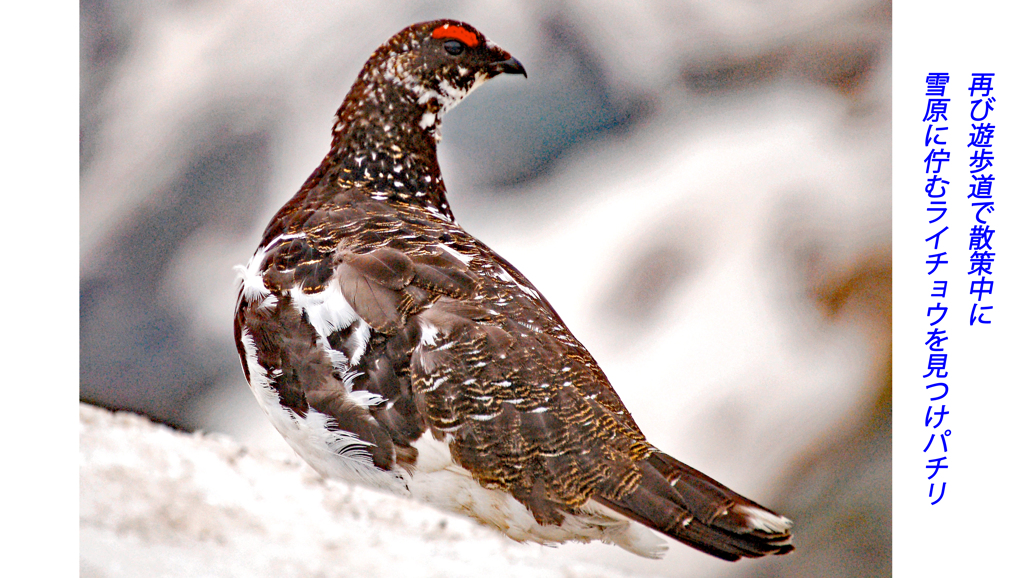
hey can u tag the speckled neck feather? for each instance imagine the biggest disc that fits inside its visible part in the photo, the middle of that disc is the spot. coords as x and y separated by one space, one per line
381 143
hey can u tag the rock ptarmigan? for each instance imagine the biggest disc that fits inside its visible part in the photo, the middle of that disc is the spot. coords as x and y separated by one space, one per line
392 348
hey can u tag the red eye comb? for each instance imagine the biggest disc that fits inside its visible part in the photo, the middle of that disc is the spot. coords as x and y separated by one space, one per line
457 33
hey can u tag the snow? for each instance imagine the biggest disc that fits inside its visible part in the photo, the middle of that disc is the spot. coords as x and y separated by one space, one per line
157 502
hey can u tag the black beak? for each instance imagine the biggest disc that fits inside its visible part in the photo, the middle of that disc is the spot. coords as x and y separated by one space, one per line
510 66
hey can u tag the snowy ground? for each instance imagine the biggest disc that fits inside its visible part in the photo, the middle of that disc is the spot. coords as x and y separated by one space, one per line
157 502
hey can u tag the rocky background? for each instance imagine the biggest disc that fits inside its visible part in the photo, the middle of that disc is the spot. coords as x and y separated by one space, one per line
702 190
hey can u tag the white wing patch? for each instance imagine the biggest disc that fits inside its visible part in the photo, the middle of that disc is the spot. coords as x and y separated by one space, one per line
328 311
250 275
332 453
251 278
428 333
365 398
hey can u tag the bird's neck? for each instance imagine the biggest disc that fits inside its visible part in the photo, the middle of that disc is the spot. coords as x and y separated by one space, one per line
385 143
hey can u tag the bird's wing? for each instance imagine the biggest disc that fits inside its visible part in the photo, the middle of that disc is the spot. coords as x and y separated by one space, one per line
447 339
411 313
512 399
529 412
329 326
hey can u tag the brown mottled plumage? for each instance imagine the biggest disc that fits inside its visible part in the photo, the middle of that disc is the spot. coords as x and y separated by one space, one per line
372 328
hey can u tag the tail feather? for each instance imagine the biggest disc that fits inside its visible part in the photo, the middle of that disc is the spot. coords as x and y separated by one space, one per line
687 505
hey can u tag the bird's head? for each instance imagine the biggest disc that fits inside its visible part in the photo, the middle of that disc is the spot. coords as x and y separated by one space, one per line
438 63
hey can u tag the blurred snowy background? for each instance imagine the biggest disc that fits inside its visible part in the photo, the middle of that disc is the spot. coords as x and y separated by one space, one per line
721 170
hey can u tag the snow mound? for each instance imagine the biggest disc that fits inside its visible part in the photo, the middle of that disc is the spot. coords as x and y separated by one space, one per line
158 502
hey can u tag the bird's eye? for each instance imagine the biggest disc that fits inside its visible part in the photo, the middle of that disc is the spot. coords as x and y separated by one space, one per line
454 47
